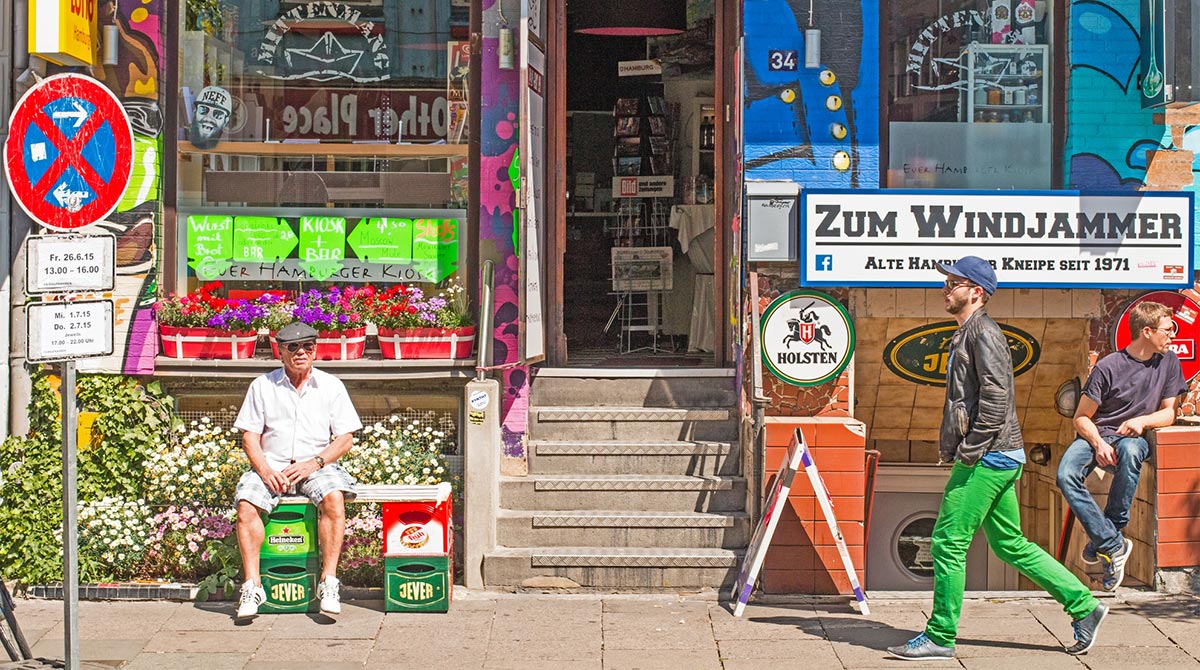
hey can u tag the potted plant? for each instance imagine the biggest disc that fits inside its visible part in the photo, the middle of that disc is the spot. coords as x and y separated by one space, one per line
201 324
412 325
336 314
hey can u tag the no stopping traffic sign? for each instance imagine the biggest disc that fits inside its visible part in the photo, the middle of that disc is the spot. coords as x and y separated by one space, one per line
69 153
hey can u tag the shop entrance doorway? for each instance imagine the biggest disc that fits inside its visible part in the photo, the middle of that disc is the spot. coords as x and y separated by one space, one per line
639 145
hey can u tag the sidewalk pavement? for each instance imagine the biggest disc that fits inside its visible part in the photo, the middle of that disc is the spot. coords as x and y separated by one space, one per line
537 631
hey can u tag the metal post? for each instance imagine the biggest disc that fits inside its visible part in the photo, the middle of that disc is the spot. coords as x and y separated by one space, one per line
70 518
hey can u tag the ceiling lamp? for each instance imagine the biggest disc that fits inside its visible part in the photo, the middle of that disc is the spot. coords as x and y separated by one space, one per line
645 18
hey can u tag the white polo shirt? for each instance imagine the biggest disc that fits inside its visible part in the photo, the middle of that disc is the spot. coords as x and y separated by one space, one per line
296 424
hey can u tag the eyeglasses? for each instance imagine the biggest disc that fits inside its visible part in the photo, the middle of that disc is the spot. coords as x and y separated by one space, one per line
950 284
1169 330
293 347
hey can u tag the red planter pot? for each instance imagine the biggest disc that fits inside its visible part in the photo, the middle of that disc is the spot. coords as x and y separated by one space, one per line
402 343
183 342
335 346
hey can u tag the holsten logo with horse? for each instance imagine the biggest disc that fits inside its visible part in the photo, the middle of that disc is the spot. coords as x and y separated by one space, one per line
807 338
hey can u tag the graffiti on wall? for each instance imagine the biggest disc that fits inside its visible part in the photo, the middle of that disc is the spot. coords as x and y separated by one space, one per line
816 126
135 80
500 105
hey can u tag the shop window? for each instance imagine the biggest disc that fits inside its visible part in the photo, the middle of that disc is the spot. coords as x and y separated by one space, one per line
302 122
968 94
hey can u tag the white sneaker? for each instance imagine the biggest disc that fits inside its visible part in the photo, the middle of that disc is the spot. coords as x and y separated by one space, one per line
329 593
252 596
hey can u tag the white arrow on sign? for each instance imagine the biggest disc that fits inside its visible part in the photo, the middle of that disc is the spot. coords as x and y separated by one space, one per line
72 201
79 114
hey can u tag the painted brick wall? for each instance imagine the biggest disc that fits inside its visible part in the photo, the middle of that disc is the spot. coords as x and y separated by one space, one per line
1177 463
803 557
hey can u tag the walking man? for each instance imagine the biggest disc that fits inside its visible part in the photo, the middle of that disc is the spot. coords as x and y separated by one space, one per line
1128 391
297 422
981 435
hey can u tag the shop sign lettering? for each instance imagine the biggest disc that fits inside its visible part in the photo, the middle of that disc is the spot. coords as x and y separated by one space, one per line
1033 239
922 354
360 56
807 338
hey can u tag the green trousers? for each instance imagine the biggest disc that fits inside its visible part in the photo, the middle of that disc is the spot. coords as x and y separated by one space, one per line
982 496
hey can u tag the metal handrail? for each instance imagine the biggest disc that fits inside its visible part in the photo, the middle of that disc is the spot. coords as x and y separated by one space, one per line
483 335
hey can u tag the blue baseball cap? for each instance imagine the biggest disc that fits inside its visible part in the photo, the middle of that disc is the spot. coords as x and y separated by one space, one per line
974 268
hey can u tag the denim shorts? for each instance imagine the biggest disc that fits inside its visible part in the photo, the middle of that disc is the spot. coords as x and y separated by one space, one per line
315 487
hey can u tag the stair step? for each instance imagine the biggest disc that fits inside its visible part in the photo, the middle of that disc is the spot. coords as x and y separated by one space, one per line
631 483
622 528
633 557
709 388
633 519
633 414
623 492
623 568
600 457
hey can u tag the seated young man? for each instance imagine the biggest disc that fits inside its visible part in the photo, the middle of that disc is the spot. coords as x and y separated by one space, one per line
1128 391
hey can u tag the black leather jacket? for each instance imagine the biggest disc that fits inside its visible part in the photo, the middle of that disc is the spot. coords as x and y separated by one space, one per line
980 414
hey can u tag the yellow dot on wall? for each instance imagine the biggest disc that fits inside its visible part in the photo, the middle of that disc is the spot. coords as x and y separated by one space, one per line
828 77
841 161
138 15
833 103
838 131
788 95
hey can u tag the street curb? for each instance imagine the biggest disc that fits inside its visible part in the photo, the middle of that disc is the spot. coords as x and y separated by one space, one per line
169 592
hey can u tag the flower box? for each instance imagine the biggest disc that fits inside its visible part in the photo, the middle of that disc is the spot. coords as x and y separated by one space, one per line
335 345
401 343
199 342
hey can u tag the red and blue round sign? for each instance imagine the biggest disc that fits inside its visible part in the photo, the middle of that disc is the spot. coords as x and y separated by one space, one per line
1187 320
69 153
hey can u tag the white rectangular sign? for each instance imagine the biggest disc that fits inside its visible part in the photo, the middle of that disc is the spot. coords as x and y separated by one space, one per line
643 187
70 263
60 331
1037 239
639 68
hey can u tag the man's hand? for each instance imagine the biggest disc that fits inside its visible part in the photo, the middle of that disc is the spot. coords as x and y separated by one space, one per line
1132 428
297 472
1106 456
276 482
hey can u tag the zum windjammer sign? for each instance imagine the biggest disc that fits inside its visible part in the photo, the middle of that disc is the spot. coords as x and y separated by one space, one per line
807 338
1034 239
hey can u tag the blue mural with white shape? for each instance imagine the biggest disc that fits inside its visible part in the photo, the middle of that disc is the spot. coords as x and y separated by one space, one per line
816 126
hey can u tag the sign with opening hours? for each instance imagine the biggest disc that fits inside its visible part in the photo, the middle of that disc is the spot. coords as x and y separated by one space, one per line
62 331
70 263
69 152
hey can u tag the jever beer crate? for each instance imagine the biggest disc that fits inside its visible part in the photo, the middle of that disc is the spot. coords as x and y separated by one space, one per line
418 549
289 561
418 583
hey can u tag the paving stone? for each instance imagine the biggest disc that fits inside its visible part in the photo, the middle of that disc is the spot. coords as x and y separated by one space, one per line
208 616
1005 644
661 659
198 642
327 651
188 661
292 665
525 664
817 652
115 620
566 648
1062 661
354 623
1139 657
416 656
99 651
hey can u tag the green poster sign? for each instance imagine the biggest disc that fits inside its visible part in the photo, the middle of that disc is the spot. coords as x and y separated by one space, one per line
261 238
322 245
383 240
209 245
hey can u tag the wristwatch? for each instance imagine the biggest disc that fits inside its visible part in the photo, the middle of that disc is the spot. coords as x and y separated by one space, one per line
320 461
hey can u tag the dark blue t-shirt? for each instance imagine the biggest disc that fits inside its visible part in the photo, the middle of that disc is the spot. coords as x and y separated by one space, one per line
1125 387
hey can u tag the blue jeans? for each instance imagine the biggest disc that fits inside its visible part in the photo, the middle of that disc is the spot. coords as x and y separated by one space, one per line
1103 528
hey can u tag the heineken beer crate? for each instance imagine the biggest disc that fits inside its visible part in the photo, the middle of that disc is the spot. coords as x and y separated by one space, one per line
419 527
418 583
290 584
291 531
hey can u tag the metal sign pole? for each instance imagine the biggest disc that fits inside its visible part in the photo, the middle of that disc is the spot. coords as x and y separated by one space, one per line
70 517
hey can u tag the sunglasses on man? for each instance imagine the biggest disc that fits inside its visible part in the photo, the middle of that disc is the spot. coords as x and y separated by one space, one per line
293 347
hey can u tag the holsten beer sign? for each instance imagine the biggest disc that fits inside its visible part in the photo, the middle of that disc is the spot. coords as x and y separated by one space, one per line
1033 239
807 338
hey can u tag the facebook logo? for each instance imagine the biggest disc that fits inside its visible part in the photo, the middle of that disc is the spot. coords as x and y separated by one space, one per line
824 262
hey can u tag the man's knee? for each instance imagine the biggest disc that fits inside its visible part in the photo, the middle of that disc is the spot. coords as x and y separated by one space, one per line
333 505
248 512
1132 451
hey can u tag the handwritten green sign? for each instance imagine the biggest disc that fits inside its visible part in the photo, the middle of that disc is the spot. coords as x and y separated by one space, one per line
261 238
209 245
382 240
322 245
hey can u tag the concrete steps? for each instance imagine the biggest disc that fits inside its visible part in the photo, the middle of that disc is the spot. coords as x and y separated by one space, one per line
634 483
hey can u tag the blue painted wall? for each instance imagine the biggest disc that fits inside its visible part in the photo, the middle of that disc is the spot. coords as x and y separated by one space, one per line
789 114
